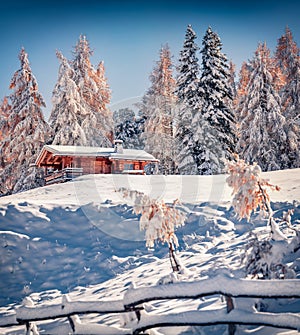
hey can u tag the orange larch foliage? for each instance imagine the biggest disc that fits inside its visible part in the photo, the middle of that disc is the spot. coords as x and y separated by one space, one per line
244 76
250 191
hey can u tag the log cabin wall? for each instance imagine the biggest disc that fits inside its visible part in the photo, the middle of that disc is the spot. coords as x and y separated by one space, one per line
118 166
102 165
92 165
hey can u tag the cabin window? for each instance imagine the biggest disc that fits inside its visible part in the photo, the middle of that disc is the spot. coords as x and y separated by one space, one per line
128 166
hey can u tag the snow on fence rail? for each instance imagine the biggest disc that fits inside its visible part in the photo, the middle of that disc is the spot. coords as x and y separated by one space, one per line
134 298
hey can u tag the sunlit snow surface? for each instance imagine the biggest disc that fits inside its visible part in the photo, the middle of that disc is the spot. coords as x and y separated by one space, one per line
82 238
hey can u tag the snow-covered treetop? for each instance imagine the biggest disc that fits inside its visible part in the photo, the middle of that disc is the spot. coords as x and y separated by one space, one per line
24 84
286 51
188 71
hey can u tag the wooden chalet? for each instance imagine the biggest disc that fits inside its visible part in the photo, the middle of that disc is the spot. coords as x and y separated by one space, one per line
63 162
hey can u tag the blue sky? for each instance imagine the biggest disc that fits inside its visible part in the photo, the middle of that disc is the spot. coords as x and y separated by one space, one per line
127 35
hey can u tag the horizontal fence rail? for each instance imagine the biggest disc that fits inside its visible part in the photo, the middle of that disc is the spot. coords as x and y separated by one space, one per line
233 287
134 298
207 318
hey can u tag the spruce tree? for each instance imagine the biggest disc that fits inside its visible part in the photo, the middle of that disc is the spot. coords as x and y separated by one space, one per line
287 57
242 93
242 90
217 94
67 106
128 128
261 134
95 117
27 132
159 106
207 149
188 103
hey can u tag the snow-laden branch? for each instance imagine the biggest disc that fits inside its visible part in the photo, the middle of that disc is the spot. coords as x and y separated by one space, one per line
158 219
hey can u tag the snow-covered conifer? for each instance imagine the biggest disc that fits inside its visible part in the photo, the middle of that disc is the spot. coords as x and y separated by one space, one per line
95 118
27 132
128 128
158 105
67 106
208 153
215 83
188 103
287 57
286 51
232 83
261 134
242 91
122 115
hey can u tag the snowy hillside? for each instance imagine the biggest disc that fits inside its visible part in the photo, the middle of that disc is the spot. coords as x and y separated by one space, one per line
83 238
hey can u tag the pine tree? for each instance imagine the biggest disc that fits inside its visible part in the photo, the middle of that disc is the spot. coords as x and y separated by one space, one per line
188 95
217 93
128 128
286 51
95 117
67 105
159 105
242 93
287 57
261 134
207 149
27 132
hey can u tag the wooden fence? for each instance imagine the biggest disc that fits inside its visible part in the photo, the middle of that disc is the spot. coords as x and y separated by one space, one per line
134 298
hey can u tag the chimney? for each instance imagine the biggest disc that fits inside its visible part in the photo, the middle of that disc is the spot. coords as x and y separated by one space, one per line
118 146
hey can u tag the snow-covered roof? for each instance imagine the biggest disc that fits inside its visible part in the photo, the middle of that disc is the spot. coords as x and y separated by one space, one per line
85 151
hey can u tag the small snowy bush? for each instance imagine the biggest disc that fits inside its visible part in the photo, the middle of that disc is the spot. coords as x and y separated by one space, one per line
158 219
249 189
263 259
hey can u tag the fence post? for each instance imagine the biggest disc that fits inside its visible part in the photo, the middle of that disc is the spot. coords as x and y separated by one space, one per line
65 299
230 307
31 328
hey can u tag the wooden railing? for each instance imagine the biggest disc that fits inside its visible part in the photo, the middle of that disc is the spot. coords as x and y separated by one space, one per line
63 175
133 300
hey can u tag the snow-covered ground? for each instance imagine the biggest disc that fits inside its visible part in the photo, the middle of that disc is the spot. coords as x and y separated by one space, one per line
83 238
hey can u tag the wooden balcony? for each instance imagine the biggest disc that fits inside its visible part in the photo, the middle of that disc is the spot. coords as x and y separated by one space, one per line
62 176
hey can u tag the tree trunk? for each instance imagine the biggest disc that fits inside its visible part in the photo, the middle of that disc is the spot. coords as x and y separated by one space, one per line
174 263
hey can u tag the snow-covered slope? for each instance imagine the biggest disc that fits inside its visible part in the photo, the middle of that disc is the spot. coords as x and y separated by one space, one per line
82 237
